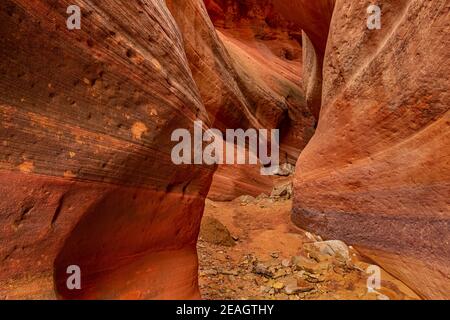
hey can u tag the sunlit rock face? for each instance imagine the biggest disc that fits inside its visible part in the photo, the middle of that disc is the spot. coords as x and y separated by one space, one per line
86 175
376 174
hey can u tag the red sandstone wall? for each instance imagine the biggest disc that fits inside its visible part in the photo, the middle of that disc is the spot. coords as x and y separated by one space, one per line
376 174
86 176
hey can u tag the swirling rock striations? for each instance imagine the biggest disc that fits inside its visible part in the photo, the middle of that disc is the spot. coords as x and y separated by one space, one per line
86 176
246 63
266 55
86 117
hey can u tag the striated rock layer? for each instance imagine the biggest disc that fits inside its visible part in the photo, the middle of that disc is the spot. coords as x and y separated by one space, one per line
86 176
246 63
265 51
314 18
377 172
266 54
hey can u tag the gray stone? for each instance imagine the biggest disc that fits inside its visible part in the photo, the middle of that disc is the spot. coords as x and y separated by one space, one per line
261 269
286 263
262 196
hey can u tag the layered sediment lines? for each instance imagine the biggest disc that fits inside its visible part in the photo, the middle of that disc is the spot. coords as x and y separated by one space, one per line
314 18
377 173
86 176
246 62
266 56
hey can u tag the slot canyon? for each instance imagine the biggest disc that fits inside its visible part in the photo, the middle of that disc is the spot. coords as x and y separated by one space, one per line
87 178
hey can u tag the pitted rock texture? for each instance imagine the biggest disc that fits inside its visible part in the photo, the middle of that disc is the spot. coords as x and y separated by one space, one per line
377 173
86 176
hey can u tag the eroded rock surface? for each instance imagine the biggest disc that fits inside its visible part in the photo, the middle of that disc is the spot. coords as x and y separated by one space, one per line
247 65
86 176
376 174
87 117
266 54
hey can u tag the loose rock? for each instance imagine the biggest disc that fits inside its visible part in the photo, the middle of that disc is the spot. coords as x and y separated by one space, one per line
332 248
213 231
262 270
282 192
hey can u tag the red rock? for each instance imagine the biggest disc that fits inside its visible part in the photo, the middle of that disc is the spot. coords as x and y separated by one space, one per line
86 120
376 174
232 181
247 79
86 176
266 56
314 18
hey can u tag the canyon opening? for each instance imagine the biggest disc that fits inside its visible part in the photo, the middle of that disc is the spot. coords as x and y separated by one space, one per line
224 150
239 147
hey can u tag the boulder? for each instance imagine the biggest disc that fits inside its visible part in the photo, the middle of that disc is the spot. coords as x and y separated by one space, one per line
213 231
283 191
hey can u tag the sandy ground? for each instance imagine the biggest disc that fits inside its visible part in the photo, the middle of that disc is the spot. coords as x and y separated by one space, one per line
249 249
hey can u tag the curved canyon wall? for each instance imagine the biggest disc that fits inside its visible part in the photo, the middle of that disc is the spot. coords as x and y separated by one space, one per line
266 56
246 62
86 176
377 172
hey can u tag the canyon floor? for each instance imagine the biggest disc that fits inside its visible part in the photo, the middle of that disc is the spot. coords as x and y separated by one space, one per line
249 250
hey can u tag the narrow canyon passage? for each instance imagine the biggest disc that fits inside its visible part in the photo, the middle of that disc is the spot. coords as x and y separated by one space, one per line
90 181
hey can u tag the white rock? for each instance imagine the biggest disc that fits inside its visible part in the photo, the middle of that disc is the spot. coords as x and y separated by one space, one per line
333 248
